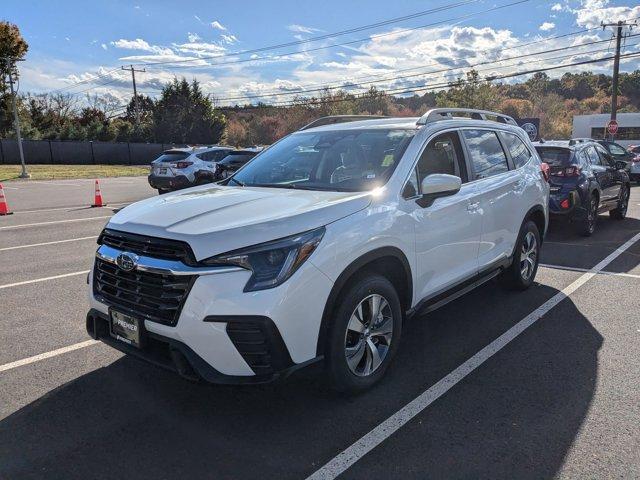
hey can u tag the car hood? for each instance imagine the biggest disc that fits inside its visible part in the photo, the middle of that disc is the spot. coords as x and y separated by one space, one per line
215 219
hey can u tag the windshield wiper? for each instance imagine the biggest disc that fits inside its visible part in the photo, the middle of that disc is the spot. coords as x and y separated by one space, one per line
273 185
242 184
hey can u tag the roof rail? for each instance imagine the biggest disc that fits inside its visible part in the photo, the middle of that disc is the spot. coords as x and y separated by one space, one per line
331 119
436 114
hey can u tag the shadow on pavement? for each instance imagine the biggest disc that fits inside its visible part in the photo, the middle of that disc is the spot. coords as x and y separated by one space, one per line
564 247
512 418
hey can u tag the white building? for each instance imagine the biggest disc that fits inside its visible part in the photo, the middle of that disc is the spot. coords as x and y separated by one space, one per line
594 126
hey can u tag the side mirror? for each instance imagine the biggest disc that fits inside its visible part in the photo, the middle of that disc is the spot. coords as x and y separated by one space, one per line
438 185
620 165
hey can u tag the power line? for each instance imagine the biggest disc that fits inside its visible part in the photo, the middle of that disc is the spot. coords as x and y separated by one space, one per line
324 47
426 88
329 35
444 70
375 36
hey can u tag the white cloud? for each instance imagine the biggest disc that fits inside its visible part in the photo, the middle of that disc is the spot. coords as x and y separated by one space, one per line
302 29
104 46
200 48
591 13
229 39
217 25
556 7
546 26
193 37
142 45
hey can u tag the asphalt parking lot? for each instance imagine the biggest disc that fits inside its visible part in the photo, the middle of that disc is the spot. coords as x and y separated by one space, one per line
539 384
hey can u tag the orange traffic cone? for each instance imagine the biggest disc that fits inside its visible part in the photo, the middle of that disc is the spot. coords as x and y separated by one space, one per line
97 200
4 207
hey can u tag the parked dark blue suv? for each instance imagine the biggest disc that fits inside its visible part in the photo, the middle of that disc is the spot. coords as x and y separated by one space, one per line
585 180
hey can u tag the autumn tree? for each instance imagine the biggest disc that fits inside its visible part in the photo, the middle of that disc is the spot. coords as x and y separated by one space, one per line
12 49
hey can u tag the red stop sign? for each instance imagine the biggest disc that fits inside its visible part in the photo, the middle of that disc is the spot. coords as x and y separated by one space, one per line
612 127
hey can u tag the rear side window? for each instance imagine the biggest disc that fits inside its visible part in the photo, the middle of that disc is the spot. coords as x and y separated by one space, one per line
487 157
605 157
594 159
518 150
555 156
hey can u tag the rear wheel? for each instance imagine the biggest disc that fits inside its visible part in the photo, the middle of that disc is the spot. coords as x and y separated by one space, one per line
523 269
620 212
162 191
364 335
588 224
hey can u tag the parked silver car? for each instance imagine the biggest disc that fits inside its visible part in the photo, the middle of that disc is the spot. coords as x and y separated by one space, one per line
185 167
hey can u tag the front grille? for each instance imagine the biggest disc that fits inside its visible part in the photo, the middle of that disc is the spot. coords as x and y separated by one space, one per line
148 246
154 296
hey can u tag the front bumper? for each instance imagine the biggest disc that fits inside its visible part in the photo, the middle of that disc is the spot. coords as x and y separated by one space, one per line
225 335
169 183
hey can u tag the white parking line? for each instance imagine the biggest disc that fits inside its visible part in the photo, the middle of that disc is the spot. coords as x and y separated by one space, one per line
43 356
47 243
340 463
576 269
24 225
44 279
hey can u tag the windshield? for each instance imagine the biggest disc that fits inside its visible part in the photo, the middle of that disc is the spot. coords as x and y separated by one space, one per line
348 160
554 156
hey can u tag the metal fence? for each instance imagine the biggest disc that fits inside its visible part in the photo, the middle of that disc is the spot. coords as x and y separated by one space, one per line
54 152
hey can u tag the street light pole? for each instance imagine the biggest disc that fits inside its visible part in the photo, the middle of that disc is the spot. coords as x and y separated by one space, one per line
16 124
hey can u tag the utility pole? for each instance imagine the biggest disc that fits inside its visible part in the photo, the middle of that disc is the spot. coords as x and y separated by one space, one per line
616 65
16 123
136 107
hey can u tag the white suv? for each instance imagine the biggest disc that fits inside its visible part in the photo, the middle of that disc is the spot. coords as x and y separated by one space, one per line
320 247
185 167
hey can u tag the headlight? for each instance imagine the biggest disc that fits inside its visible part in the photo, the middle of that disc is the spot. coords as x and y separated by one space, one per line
272 263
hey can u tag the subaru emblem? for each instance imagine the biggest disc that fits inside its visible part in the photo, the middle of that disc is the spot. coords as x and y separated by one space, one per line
127 261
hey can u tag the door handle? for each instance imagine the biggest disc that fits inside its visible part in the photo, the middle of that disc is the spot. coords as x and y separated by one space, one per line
472 207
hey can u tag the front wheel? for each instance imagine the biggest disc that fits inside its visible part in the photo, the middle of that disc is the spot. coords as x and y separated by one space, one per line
620 212
364 335
523 268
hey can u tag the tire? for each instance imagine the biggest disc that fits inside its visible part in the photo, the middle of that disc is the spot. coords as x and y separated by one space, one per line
522 271
365 346
162 192
587 225
620 212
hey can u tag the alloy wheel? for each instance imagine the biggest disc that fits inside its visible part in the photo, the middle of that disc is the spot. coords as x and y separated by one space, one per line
528 255
368 336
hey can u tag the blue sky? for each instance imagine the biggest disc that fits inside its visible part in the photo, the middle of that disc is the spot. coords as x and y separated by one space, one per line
87 41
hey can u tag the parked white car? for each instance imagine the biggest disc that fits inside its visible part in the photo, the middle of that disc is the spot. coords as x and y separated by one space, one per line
185 167
320 248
